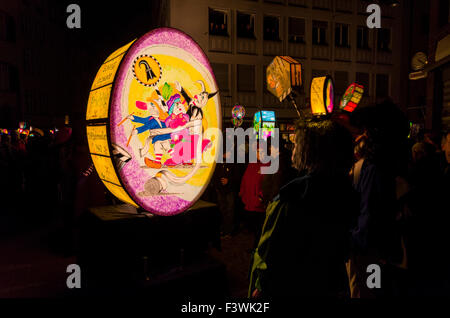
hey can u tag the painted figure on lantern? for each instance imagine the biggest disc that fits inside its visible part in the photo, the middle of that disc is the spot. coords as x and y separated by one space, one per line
161 143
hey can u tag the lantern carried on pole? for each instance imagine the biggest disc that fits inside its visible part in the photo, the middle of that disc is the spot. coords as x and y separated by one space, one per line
283 75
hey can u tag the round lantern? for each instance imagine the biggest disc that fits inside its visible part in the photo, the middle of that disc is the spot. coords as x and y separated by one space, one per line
238 112
322 95
151 106
237 122
352 97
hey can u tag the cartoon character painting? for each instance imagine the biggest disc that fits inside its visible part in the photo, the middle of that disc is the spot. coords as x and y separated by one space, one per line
161 143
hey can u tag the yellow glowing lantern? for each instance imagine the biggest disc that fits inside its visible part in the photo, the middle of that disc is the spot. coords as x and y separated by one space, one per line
283 75
149 106
322 95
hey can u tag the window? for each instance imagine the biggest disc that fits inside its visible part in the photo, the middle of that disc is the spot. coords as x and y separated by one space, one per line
221 73
341 35
382 85
271 28
363 79
362 37
7 28
384 39
245 25
218 22
296 30
319 34
9 78
246 78
340 83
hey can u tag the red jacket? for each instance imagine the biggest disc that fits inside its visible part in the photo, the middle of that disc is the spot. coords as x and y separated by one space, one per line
251 188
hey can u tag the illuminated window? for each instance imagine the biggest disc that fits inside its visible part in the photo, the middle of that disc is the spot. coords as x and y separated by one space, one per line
246 78
218 22
341 35
319 34
245 25
296 30
271 28
362 37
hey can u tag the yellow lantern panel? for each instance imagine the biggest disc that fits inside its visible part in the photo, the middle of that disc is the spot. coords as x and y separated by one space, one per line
98 140
119 51
106 73
105 168
98 103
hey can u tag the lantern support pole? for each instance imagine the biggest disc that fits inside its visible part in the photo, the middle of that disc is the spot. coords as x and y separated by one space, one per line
292 99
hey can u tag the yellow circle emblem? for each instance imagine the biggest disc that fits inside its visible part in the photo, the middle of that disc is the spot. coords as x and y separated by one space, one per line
147 70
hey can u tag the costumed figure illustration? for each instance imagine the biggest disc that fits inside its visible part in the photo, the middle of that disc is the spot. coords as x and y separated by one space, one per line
161 143
179 135
184 141
198 102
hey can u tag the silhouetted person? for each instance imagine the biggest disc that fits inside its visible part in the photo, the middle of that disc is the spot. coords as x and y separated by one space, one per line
305 239
226 185
376 239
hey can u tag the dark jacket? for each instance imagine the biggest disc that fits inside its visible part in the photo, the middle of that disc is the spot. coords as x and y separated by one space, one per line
305 240
230 172
376 231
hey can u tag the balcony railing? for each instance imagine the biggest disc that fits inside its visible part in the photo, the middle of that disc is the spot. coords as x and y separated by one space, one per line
297 49
322 4
298 3
384 57
364 56
342 54
321 52
246 46
273 48
275 1
247 98
220 43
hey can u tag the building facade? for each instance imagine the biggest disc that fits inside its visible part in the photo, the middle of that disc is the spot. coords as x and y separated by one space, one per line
38 60
241 37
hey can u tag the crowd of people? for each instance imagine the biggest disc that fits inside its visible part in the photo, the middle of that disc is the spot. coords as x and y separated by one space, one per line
356 191
45 180
353 191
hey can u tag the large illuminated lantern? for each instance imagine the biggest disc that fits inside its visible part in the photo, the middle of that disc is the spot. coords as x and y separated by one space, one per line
152 121
322 95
